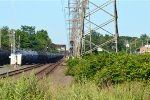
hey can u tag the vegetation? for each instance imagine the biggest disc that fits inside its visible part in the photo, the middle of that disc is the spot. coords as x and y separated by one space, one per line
134 42
24 89
31 89
98 75
105 68
29 38
39 40
90 91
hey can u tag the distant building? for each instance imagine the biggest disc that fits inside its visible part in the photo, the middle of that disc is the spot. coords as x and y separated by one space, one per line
144 49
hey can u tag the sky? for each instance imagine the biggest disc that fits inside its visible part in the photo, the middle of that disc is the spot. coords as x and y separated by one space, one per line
133 16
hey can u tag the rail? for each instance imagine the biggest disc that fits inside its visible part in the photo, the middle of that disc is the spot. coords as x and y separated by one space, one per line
43 70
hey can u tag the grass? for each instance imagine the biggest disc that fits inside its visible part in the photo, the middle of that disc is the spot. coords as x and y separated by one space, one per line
90 91
31 89
24 89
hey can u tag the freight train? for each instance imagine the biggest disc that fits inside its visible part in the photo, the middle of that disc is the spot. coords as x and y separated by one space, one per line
31 57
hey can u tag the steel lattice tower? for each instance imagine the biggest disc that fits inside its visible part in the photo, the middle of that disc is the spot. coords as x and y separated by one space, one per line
81 23
74 26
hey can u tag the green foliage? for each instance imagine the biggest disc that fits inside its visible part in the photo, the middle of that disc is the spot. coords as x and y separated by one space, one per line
43 39
5 37
31 89
72 63
30 39
24 89
105 68
134 42
90 91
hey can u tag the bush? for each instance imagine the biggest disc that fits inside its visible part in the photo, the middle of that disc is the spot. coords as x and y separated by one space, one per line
71 63
104 67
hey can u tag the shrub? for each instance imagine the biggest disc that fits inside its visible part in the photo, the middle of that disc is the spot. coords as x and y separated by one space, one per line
104 67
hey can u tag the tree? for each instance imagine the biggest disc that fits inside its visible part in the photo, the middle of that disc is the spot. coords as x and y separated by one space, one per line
28 29
29 39
144 38
5 37
43 39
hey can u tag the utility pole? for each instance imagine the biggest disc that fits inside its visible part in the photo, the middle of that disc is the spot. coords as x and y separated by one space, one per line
89 26
130 47
13 57
19 43
142 43
116 26
82 26
12 40
135 43
147 42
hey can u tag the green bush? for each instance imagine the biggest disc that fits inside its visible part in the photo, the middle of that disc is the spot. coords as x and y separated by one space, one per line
105 67
71 63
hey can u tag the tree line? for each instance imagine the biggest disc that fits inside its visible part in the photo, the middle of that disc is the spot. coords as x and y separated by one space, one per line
124 42
29 39
26 38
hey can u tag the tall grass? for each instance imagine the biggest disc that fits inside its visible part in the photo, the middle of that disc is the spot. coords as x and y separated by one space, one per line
90 91
24 89
31 89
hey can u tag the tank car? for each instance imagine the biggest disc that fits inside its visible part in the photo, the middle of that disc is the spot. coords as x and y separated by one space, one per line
28 57
4 57
56 57
34 57
42 57
49 57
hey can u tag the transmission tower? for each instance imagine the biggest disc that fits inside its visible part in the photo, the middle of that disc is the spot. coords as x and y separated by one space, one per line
74 26
82 22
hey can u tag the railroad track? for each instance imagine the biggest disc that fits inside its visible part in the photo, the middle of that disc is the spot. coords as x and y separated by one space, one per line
43 70
19 71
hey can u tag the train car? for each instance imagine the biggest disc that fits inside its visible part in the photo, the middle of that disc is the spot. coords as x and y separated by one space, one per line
28 57
49 57
42 57
57 56
4 57
31 57
34 57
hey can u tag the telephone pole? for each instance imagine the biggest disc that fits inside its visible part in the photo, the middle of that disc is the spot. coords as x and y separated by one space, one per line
116 26
18 43
83 9
12 40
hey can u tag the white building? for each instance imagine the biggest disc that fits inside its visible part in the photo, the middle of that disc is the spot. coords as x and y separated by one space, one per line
144 49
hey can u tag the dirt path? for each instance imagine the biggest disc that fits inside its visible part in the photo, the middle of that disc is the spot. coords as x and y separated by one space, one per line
58 77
